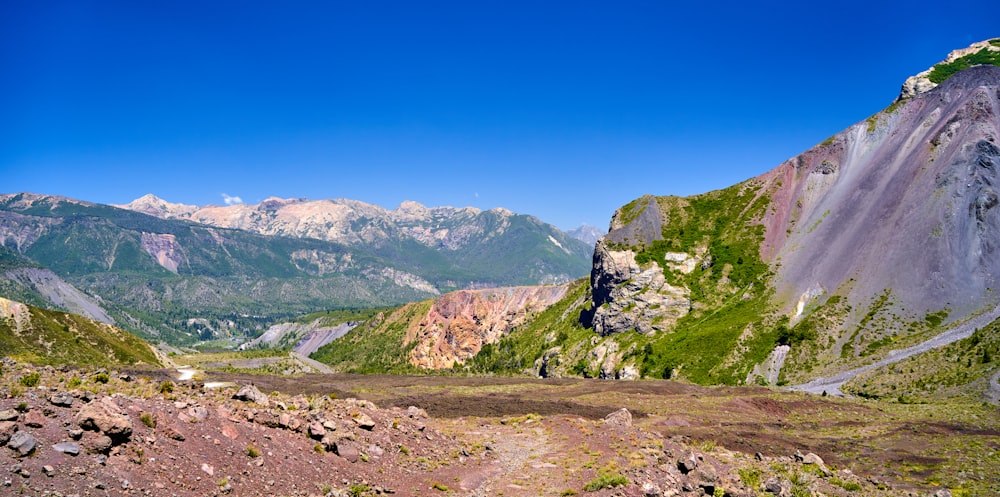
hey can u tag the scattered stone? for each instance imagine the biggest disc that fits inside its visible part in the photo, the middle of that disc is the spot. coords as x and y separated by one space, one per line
316 430
944 492
100 444
347 450
23 443
49 471
621 418
67 448
773 485
75 433
416 412
9 415
61 400
250 393
650 489
364 421
7 430
687 464
208 469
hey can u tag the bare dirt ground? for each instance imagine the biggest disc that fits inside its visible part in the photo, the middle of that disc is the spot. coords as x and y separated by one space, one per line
433 435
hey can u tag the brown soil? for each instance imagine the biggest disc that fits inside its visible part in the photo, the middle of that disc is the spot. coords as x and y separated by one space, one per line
481 436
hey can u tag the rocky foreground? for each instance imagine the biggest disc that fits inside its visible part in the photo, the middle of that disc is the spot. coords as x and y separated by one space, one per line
94 432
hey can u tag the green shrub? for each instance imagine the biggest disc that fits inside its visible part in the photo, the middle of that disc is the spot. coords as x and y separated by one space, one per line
606 480
252 451
148 420
31 380
102 378
167 387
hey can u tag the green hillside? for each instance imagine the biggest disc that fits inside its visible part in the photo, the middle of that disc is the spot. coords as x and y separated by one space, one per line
40 336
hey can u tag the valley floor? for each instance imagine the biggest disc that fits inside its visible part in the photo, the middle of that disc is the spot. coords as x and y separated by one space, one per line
433 435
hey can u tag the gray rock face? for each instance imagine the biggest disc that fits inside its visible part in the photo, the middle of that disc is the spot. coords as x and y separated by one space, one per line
627 297
922 181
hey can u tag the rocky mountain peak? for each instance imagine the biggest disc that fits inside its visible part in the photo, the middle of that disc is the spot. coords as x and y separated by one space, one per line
156 206
981 52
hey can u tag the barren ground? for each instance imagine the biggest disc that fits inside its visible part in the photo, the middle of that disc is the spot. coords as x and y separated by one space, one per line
495 436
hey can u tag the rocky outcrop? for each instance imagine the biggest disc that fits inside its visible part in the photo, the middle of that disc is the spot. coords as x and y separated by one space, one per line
628 297
459 323
921 82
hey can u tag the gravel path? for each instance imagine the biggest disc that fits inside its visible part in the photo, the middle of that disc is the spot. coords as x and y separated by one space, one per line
831 384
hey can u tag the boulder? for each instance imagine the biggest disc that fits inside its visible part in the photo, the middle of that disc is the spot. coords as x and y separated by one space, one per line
106 417
23 443
620 418
9 415
7 430
364 421
100 444
316 430
250 393
61 400
67 448
687 464
347 450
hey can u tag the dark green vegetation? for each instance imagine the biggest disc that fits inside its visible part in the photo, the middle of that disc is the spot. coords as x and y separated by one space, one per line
943 71
213 283
50 337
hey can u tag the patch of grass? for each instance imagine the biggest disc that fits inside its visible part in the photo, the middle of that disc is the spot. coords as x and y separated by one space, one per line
252 452
943 71
148 420
606 480
750 477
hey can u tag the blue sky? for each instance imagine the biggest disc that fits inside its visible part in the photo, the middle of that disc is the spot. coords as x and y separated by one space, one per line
563 110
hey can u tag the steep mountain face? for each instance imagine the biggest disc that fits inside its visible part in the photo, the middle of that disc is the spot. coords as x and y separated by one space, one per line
458 324
475 242
882 235
441 333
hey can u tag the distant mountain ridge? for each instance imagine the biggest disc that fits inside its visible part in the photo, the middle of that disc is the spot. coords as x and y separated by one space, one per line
184 281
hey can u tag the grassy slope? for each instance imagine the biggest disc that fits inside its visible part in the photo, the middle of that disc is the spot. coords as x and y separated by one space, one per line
59 338
377 345
730 329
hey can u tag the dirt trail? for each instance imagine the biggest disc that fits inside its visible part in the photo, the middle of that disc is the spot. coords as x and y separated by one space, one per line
831 384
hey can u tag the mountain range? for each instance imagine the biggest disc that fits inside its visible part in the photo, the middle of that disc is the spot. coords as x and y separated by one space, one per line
189 274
